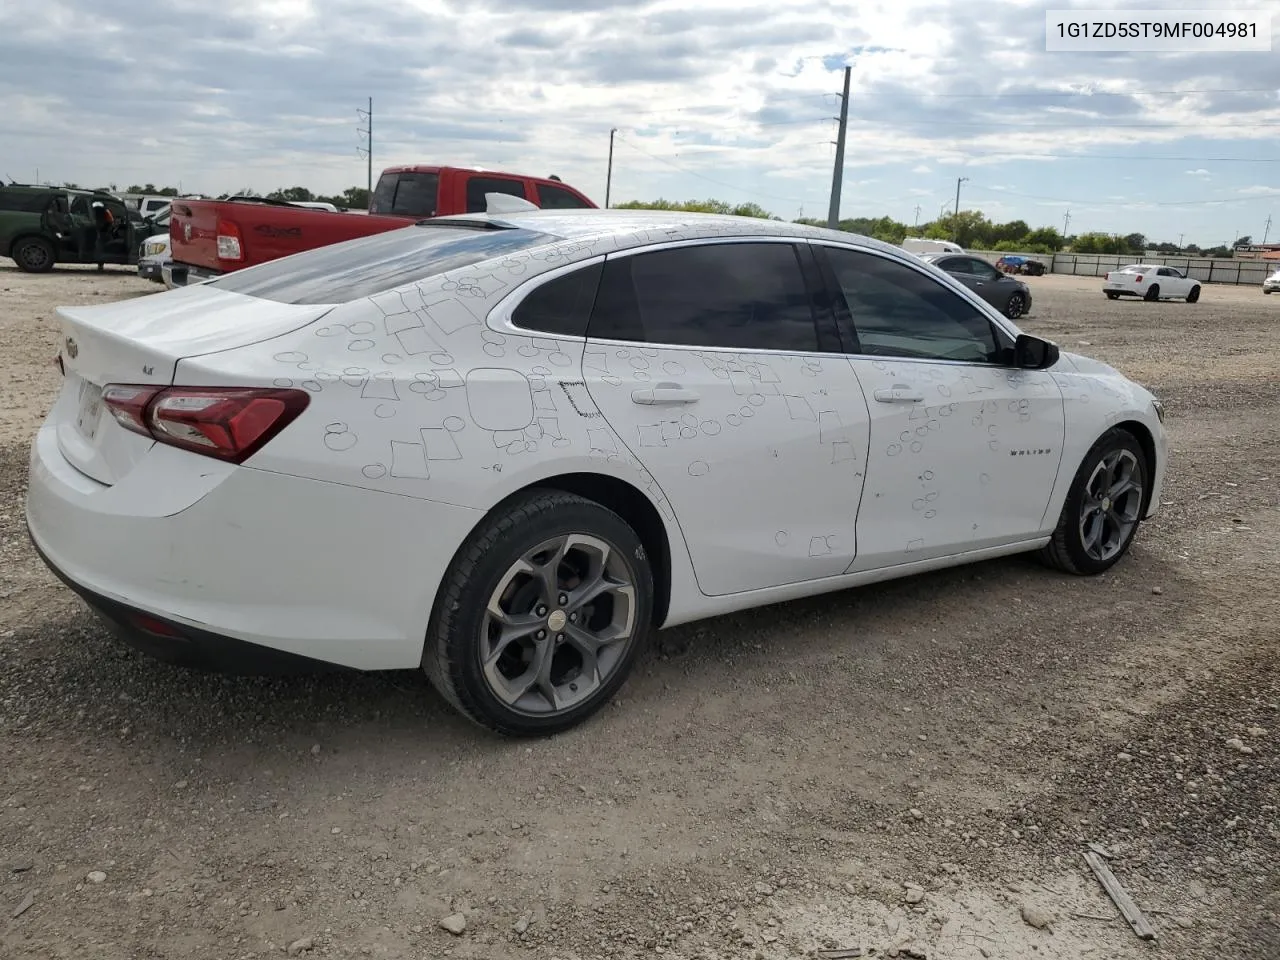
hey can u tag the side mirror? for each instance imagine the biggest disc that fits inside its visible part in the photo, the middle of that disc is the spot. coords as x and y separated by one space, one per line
1032 353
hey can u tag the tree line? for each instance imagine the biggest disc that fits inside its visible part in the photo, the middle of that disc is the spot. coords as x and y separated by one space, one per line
969 228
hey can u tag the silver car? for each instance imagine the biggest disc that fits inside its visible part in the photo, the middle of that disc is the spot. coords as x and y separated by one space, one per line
1272 283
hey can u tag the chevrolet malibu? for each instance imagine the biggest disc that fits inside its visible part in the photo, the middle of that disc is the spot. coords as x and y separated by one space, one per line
505 447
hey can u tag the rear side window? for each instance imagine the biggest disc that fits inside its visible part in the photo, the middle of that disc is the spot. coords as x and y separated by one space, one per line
363 267
13 201
558 198
745 296
562 305
477 187
406 194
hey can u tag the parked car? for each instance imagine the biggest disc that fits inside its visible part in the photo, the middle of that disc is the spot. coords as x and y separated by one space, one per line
1011 297
1271 283
212 237
1017 264
920 245
1150 282
41 226
155 249
505 447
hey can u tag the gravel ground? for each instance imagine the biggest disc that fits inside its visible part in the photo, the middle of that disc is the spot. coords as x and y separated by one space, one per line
913 768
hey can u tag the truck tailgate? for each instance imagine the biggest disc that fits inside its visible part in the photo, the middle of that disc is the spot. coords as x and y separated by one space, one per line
225 235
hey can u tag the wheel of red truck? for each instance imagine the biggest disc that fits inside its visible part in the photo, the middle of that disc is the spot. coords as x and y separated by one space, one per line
33 255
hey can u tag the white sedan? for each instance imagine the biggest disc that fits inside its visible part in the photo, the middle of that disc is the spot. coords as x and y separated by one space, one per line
506 447
1272 283
1150 282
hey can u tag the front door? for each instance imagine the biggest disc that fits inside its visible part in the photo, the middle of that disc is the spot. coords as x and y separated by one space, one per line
704 360
964 450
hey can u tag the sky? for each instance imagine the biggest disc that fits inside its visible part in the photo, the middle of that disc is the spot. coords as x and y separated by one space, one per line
727 99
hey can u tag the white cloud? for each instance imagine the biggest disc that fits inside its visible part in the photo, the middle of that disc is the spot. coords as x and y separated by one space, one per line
715 99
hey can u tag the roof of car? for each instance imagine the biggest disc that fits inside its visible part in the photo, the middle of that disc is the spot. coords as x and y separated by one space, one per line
637 227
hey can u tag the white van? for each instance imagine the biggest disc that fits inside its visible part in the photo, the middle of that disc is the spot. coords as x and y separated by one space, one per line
920 245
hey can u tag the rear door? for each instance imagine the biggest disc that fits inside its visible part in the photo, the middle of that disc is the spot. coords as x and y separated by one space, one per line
725 385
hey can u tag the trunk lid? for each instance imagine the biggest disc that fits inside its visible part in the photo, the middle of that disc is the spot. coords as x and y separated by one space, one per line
141 341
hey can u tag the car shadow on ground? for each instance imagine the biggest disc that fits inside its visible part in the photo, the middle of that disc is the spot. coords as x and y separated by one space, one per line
88 680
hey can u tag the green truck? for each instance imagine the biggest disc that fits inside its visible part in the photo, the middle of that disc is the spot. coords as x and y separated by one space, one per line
43 225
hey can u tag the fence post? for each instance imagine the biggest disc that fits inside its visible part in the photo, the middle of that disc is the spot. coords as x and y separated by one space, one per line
1238 266
1210 280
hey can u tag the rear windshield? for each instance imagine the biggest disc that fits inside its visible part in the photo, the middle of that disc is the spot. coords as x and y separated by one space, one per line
342 272
406 194
1134 268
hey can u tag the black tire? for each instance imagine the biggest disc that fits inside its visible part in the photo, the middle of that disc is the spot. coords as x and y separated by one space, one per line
451 655
34 255
1194 295
1015 306
1112 296
1153 292
1066 550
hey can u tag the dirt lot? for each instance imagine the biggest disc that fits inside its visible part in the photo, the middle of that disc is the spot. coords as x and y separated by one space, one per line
769 784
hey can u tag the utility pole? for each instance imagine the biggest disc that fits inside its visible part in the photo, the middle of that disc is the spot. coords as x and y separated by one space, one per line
837 175
917 214
1065 220
1266 229
608 177
955 213
367 149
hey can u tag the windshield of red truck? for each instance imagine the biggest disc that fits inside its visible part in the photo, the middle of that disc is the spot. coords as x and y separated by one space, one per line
342 272
406 195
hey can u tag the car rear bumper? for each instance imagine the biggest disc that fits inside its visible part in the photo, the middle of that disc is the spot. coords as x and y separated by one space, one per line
247 567
180 274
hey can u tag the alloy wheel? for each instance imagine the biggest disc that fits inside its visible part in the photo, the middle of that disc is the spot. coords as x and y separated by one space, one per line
1111 505
558 624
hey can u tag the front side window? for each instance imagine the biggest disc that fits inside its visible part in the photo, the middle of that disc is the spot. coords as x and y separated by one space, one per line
406 195
901 312
743 296
477 187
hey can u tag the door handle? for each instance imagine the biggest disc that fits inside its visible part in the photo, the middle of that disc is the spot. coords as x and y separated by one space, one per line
664 393
899 394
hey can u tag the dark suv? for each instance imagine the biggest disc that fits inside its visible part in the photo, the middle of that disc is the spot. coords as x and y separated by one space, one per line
41 226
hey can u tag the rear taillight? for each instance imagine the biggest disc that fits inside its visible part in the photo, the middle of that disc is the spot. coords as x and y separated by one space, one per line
229 423
229 241
1138 278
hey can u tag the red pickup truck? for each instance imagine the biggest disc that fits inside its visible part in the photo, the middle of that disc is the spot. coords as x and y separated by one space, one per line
212 237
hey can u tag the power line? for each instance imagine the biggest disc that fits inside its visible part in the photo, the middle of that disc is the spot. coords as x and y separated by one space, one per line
1110 203
1080 122
1100 156
1097 93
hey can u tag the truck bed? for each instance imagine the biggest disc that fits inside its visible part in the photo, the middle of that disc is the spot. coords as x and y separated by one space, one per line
264 231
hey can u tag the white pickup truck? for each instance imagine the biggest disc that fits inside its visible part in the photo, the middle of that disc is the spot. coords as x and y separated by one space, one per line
1150 282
